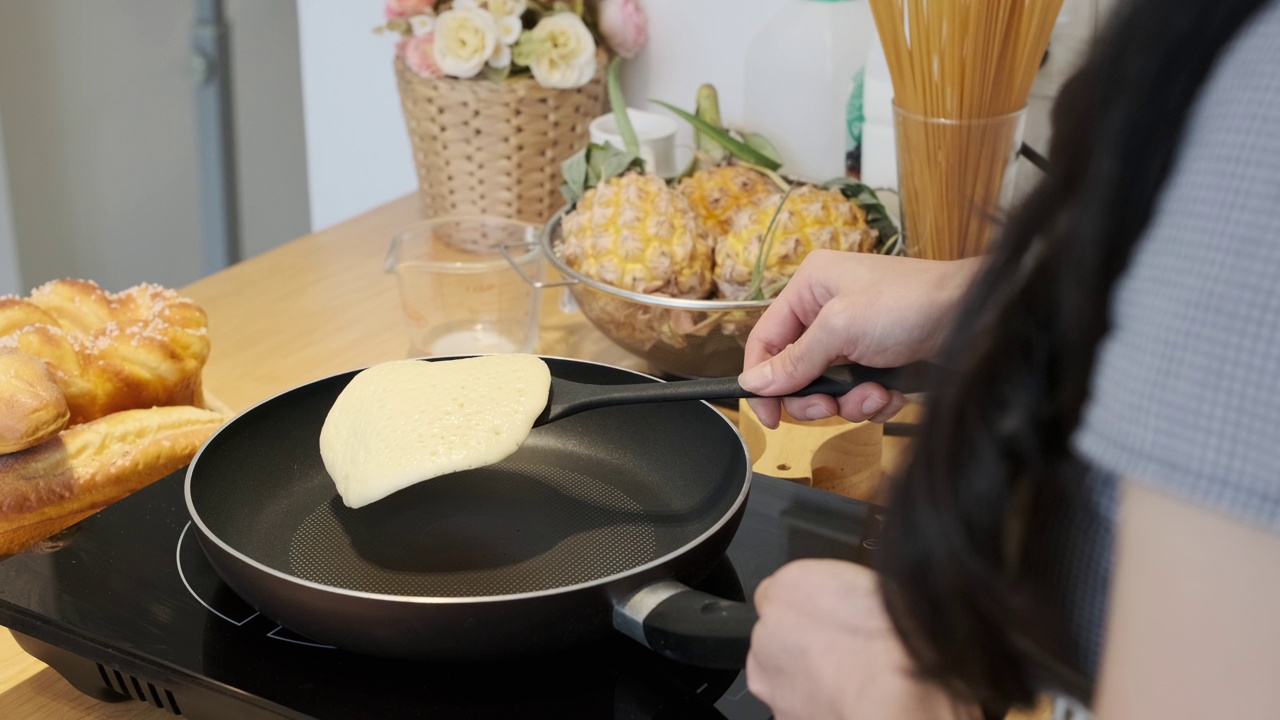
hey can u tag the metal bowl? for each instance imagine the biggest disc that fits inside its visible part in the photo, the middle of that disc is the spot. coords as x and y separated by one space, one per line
687 338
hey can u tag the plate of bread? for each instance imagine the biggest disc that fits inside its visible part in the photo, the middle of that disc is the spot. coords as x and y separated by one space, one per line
100 395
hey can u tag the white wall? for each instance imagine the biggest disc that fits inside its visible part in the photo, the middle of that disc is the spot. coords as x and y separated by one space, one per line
691 43
358 153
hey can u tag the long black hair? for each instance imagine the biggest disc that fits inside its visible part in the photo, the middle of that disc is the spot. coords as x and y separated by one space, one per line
967 580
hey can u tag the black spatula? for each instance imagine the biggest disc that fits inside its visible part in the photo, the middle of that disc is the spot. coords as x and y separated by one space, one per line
570 398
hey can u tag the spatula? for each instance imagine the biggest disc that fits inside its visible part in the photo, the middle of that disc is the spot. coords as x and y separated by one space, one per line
570 398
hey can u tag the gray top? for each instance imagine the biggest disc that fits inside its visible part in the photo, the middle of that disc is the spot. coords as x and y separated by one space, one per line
1185 396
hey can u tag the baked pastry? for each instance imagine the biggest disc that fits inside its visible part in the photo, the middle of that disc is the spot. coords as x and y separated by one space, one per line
63 480
32 406
139 348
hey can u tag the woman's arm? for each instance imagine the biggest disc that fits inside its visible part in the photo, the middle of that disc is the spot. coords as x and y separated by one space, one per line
1193 629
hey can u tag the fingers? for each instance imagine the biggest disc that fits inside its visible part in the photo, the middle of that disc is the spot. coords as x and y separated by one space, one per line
805 610
773 371
798 363
867 402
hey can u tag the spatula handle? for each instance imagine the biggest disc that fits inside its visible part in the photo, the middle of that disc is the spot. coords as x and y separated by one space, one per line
836 381
569 398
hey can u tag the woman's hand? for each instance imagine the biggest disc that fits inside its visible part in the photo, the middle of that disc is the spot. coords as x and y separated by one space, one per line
824 648
842 307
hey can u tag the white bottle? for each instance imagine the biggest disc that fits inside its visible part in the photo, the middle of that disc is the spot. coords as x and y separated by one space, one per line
799 72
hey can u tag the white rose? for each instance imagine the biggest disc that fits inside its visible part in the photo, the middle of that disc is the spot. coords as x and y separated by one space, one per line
465 40
564 55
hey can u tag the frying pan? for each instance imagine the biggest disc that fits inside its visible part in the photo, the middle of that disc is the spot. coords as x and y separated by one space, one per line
600 521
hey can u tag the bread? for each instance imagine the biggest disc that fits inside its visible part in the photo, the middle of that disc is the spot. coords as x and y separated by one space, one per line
32 406
143 347
51 486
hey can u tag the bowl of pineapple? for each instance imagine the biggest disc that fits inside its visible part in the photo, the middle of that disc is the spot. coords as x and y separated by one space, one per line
678 271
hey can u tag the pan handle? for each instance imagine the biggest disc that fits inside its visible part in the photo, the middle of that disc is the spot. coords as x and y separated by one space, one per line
687 625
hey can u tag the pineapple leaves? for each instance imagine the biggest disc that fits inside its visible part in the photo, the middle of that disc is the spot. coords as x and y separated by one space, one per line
618 104
877 217
612 161
599 162
761 144
736 147
593 165
574 171
756 290
708 108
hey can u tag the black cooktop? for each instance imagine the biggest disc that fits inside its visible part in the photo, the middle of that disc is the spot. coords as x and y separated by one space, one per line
125 606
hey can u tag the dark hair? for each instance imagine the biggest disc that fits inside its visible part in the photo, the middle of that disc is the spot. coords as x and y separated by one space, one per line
968 587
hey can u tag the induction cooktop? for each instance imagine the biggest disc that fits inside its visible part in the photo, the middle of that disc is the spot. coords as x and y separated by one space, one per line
128 609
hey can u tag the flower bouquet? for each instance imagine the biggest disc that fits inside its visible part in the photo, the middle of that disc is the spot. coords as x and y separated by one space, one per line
498 93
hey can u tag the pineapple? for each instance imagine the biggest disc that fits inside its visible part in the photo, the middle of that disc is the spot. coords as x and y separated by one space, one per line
635 232
716 194
812 218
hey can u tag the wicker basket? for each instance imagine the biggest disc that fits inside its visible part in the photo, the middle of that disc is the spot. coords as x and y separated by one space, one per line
495 148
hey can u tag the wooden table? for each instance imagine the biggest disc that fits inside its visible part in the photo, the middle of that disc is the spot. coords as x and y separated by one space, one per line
316 306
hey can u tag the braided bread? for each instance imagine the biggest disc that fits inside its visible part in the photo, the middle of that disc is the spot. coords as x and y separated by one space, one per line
107 352
56 484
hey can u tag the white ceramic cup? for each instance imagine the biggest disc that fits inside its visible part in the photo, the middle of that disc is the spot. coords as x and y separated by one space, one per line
656 133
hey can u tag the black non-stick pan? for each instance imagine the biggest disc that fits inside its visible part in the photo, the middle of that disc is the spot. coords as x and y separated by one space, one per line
600 521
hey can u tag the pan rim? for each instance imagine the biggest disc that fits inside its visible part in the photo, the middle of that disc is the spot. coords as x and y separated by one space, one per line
455 600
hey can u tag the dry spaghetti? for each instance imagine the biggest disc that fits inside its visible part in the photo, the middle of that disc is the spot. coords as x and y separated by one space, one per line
962 71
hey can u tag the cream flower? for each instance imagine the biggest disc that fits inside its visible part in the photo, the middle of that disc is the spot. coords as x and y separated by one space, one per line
509 29
559 51
506 8
422 24
505 12
465 39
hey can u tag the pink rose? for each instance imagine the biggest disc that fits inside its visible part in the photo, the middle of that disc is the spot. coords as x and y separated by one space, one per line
624 26
400 46
418 56
407 8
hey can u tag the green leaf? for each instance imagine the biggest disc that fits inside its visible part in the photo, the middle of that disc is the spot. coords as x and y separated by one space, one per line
614 162
761 144
618 103
526 49
877 217
739 149
574 171
497 74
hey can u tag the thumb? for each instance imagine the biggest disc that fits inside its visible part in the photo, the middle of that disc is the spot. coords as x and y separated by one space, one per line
799 363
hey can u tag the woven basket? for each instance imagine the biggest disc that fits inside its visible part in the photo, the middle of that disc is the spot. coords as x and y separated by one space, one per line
495 148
